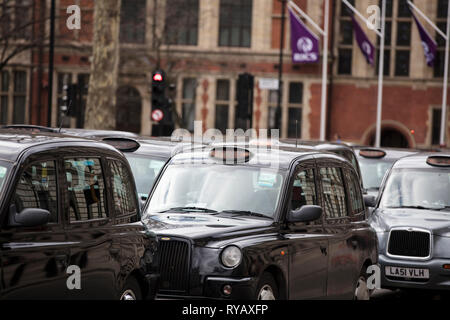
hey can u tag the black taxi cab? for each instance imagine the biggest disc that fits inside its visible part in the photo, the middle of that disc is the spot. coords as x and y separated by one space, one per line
374 163
70 221
146 157
412 221
282 223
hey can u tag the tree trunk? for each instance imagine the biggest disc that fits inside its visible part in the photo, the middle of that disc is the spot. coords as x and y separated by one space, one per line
101 101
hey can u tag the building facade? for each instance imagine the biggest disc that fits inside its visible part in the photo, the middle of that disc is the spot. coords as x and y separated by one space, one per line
203 45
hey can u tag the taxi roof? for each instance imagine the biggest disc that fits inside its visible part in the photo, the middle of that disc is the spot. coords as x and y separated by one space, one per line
419 161
283 156
14 142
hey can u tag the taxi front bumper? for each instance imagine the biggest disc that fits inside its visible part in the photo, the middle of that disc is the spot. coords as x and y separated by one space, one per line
439 278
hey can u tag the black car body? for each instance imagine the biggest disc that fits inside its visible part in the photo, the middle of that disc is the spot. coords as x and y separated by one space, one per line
69 203
298 254
412 221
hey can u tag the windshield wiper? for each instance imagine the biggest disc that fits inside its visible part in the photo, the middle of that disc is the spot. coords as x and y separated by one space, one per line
248 213
189 209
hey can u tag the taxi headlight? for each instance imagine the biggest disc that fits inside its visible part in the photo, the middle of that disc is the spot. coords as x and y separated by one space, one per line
231 256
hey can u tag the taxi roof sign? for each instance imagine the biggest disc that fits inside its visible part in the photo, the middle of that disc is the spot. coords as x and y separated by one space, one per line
372 153
439 161
230 154
122 144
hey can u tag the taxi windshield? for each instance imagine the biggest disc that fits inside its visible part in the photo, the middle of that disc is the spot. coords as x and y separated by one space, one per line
145 170
415 188
373 170
4 170
217 188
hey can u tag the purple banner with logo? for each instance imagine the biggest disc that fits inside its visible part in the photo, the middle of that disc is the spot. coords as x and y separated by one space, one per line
428 44
304 43
364 43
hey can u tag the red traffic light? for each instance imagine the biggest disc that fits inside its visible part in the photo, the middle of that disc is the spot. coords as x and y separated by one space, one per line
157 77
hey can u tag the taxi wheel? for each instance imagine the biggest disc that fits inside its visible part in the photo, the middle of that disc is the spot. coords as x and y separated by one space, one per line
131 290
267 288
362 291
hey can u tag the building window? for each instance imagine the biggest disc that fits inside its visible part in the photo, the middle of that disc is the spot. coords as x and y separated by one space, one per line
222 105
181 22
4 97
441 22
82 82
132 21
345 40
436 126
64 79
235 23
272 110
397 39
20 96
15 19
295 109
188 103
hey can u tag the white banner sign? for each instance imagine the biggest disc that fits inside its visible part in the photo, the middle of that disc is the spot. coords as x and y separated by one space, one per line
268 84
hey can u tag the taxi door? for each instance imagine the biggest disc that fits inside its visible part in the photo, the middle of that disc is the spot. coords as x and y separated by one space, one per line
34 259
308 245
93 251
338 227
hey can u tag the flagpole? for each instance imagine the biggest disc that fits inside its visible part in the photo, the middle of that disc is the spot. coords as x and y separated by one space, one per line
278 112
323 109
445 89
380 76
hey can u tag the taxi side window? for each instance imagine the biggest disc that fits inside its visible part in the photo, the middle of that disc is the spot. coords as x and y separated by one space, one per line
85 189
354 192
334 193
124 197
303 189
37 188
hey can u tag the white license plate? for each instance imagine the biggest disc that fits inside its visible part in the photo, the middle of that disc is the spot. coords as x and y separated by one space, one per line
409 273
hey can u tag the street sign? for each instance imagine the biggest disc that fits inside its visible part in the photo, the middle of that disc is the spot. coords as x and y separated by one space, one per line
157 115
268 84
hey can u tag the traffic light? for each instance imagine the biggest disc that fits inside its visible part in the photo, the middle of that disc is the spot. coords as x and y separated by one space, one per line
244 110
159 100
70 100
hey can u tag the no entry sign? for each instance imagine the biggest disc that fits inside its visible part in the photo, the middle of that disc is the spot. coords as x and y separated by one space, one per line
157 115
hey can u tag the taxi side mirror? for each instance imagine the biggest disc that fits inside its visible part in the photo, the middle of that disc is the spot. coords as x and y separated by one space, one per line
306 213
370 201
30 217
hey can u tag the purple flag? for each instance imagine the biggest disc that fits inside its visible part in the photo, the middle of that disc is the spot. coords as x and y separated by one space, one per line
364 44
428 44
304 43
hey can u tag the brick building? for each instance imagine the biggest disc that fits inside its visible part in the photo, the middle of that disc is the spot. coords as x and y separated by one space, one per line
206 44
